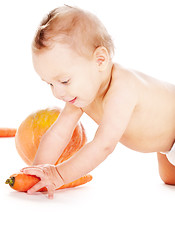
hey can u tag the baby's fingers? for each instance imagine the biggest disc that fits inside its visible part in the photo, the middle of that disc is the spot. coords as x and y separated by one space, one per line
36 187
33 171
51 191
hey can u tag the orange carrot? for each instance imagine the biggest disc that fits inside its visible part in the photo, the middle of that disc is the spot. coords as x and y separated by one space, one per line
7 132
22 182
78 182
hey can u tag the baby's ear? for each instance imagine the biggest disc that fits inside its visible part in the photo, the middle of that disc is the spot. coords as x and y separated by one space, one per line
101 57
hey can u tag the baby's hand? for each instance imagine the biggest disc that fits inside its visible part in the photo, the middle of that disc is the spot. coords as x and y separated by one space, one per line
49 175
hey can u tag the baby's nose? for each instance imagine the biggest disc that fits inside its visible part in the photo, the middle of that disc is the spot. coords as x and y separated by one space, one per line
59 92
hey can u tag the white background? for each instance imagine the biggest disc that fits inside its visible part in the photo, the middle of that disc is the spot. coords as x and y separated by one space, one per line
126 199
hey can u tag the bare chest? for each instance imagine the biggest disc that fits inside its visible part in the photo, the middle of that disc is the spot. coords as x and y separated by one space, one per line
95 110
152 125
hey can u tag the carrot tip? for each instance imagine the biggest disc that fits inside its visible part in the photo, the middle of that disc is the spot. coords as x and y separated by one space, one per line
7 132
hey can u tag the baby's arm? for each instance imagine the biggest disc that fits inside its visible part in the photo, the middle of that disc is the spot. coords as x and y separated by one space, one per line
118 109
57 136
117 112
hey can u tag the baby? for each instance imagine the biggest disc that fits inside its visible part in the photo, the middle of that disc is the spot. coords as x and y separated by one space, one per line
72 52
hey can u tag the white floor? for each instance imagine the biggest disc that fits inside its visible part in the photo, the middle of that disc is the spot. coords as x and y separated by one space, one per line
126 199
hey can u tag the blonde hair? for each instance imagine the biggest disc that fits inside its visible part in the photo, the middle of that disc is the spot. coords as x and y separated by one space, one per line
73 26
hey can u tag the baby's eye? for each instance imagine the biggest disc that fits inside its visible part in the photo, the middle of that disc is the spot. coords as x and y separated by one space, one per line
51 84
65 82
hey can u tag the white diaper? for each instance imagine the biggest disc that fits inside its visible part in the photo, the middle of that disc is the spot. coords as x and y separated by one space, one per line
171 155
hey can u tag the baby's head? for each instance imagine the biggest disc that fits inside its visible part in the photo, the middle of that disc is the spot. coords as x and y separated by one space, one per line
72 50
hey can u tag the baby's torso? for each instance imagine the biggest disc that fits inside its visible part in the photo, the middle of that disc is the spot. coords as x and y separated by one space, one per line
152 124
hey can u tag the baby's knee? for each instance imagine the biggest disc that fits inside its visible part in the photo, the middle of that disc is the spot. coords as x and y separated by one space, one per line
166 169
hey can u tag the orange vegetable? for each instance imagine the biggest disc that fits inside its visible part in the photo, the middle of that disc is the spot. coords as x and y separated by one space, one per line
31 130
22 182
7 132
27 139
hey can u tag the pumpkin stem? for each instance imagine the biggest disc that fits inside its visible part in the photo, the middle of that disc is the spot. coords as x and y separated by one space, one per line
10 181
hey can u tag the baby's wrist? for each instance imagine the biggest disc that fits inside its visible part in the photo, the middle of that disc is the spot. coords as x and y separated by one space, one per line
59 177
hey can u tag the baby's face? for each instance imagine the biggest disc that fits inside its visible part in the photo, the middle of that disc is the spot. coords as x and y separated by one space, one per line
73 78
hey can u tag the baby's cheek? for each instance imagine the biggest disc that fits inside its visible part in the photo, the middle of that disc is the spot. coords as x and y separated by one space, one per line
56 93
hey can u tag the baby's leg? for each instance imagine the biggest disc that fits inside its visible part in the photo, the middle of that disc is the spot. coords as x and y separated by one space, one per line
166 169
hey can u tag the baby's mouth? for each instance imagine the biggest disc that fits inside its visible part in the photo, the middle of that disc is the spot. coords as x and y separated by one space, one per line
73 100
